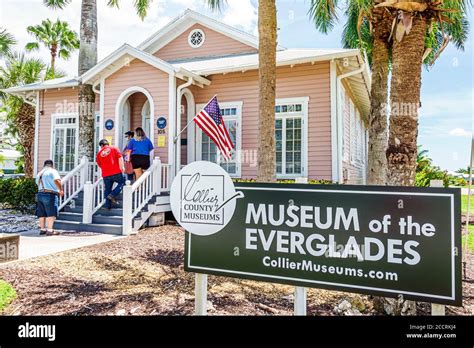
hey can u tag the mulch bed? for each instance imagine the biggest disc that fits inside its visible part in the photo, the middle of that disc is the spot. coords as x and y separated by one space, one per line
143 275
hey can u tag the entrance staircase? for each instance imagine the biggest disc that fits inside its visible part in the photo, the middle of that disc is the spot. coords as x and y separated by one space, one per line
81 207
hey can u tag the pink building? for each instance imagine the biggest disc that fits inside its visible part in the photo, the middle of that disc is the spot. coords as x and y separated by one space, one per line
322 103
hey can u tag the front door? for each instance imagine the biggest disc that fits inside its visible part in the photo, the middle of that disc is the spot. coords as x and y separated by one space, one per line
124 124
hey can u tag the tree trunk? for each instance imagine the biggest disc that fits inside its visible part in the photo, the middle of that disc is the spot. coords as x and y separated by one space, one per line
267 31
378 120
87 59
54 52
407 60
25 123
407 56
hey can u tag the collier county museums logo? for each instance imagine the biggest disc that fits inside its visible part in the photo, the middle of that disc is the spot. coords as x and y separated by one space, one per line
203 198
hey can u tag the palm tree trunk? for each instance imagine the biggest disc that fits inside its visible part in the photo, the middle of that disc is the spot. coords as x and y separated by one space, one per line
54 52
267 31
87 59
378 123
407 60
25 122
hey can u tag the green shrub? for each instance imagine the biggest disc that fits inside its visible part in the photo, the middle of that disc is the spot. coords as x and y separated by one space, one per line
18 193
7 294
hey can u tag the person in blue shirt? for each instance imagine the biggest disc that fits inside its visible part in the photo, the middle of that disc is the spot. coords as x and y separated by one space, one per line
141 147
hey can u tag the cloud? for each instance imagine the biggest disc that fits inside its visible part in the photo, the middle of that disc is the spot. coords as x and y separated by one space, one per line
241 13
448 104
460 132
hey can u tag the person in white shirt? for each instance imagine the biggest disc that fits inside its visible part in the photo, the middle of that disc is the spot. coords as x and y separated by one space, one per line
49 190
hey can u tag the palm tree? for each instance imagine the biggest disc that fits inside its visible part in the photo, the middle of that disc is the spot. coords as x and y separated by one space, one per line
267 35
57 37
6 42
413 43
19 70
87 60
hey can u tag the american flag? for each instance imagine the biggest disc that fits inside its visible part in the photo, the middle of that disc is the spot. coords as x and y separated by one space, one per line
211 122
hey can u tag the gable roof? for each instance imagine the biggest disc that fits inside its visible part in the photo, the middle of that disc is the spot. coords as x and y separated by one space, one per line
183 22
115 61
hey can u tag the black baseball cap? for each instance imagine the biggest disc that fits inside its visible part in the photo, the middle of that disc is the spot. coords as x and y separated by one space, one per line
130 134
103 142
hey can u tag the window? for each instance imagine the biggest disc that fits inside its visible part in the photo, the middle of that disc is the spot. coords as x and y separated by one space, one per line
64 141
196 38
207 150
290 136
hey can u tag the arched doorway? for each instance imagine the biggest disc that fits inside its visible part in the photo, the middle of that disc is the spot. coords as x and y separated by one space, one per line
188 111
134 108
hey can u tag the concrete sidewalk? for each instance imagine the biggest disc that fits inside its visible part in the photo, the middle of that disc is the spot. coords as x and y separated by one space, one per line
34 245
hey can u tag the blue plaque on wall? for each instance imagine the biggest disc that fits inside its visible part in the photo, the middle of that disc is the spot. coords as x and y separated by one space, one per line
109 124
161 123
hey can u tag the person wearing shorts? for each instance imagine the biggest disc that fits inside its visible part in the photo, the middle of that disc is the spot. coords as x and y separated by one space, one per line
49 189
140 147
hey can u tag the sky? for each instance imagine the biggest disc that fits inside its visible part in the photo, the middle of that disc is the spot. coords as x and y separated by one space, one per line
447 95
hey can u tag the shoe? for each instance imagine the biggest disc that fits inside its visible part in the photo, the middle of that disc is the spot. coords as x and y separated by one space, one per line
52 233
43 231
112 199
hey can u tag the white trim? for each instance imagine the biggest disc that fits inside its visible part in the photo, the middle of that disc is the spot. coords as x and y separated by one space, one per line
335 101
37 123
124 98
304 135
172 105
124 50
238 147
191 33
191 130
453 279
180 24
102 108
55 116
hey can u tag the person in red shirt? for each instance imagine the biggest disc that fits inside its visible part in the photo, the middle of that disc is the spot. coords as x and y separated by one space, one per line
110 161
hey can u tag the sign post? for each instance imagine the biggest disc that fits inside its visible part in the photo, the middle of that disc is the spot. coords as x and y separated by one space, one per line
200 293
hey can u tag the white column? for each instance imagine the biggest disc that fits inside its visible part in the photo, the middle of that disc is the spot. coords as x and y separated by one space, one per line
84 170
127 209
200 294
157 177
88 202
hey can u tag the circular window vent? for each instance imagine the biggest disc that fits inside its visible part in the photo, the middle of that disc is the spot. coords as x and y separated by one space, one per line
196 38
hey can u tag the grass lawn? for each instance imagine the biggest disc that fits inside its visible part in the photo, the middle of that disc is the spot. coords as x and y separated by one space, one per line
464 205
470 239
7 294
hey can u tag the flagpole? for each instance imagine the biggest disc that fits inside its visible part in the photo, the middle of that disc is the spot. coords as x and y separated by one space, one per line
187 125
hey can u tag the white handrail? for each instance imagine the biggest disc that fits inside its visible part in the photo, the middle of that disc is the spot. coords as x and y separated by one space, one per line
98 196
137 196
73 183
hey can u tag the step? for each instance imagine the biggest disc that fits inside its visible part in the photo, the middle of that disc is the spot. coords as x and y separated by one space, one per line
67 216
111 212
107 219
79 226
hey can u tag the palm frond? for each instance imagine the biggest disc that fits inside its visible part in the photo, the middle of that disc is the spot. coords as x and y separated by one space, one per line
56 4
216 5
323 13
7 40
